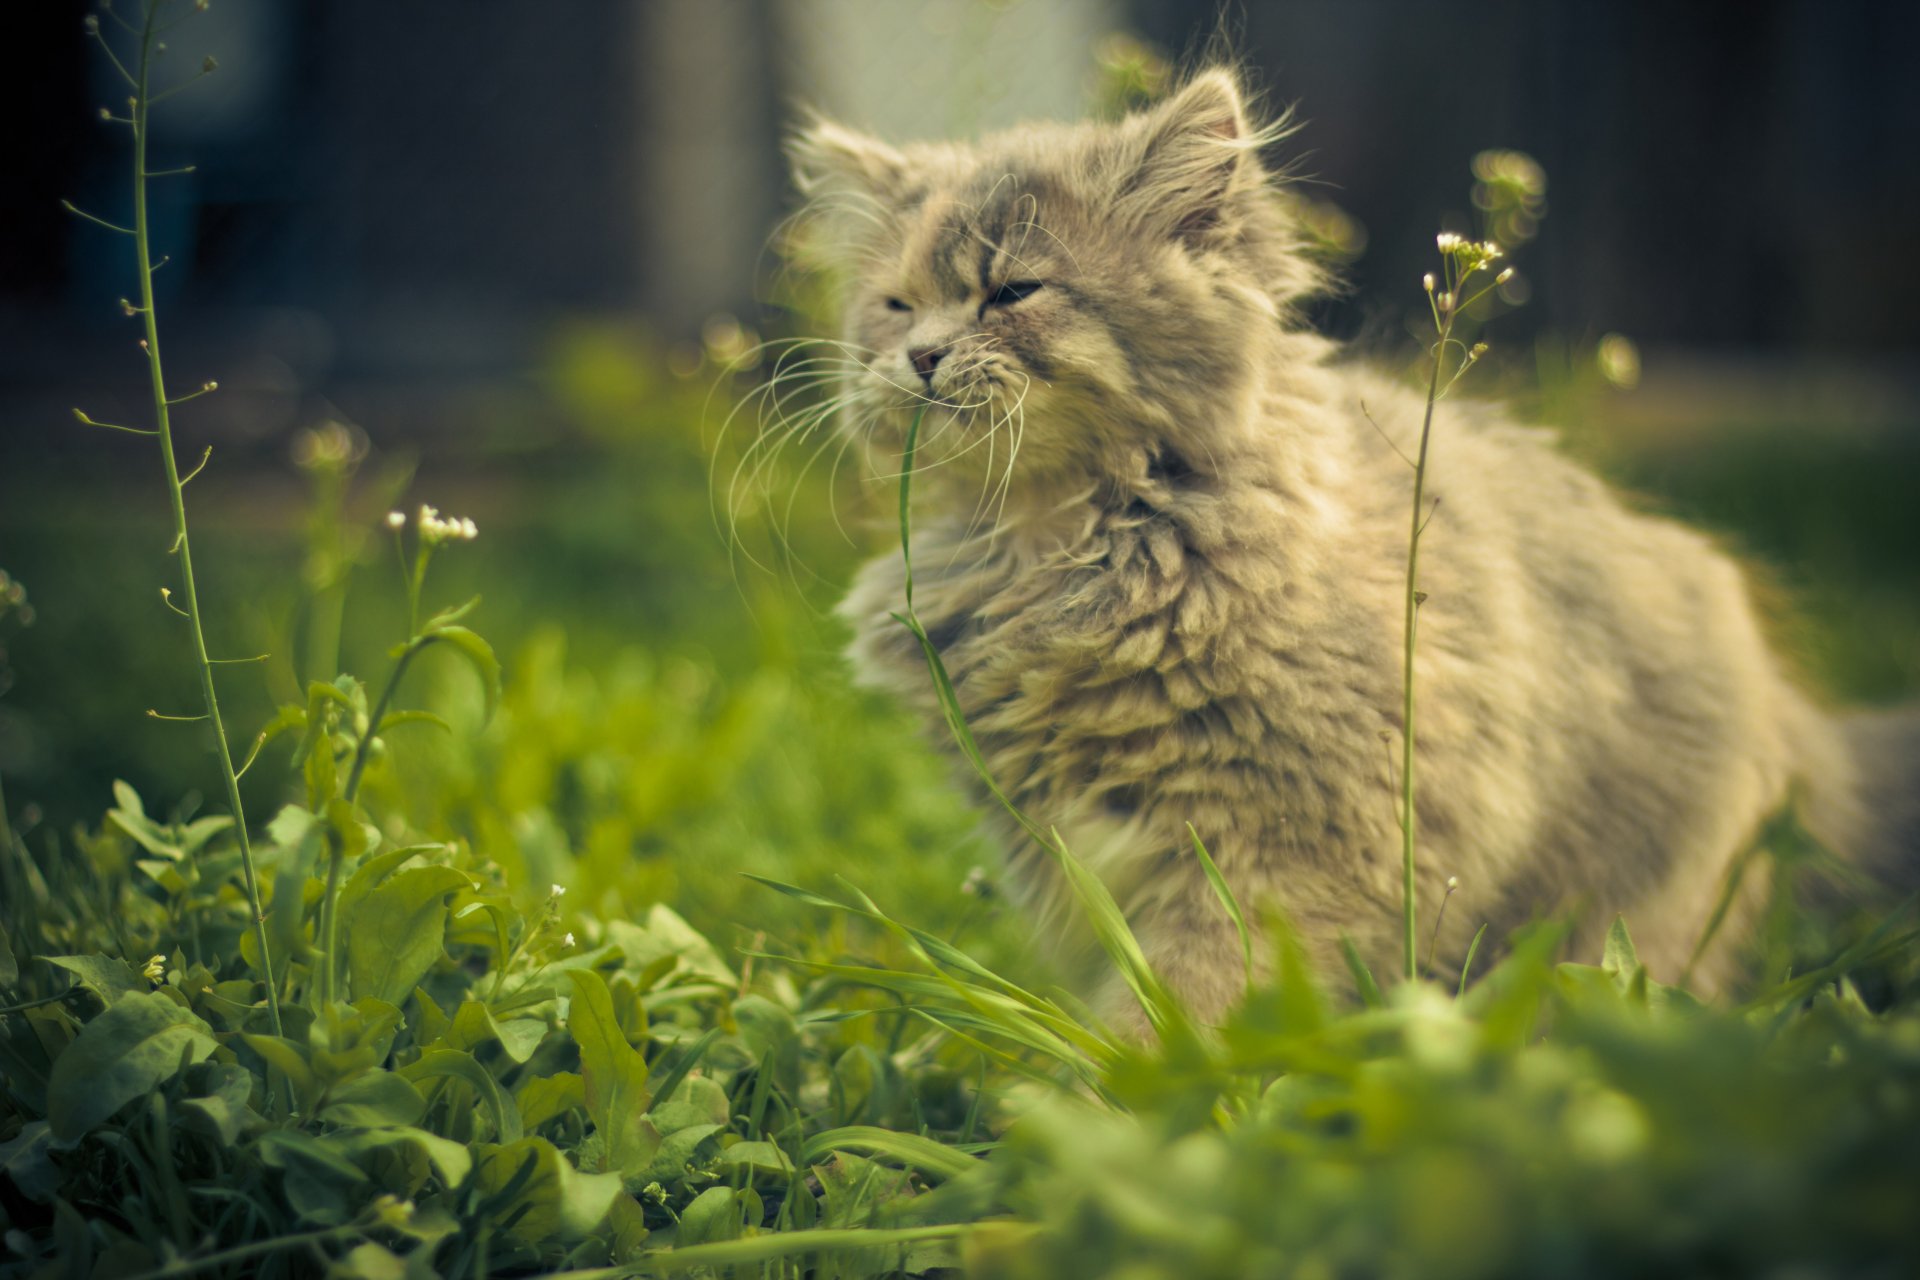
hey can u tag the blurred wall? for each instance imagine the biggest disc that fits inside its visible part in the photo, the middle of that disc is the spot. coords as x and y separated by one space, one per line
395 198
1723 173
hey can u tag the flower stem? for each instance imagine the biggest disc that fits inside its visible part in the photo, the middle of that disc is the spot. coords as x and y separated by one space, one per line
1410 938
162 423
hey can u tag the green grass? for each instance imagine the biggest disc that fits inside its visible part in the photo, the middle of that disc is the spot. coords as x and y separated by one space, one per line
799 1065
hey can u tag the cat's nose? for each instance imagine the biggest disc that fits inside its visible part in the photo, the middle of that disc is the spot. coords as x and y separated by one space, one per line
926 360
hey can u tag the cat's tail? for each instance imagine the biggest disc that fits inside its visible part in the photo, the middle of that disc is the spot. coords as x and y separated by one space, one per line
1883 833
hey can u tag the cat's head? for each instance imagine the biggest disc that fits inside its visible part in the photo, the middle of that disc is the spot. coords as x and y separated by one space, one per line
1078 292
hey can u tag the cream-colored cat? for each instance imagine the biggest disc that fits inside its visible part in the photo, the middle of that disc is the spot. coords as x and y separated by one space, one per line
1161 551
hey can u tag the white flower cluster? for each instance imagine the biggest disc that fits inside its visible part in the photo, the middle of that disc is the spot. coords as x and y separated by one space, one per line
435 529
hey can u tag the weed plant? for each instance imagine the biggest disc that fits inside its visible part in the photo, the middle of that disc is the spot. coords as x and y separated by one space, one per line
393 1049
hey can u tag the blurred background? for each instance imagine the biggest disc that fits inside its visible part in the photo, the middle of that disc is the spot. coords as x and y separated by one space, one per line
506 250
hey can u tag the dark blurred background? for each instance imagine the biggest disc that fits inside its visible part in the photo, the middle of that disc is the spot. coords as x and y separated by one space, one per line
506 242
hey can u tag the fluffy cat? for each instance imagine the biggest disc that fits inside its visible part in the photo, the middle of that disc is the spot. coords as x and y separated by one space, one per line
1160 549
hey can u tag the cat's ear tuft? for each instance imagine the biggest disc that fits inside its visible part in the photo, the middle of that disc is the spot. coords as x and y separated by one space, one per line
829 157
1197 154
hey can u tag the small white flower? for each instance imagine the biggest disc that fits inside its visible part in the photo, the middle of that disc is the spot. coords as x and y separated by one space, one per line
567 941
1504 276
434 528
1448 241
559 891
1446 301
1427 280
396 519
1453 882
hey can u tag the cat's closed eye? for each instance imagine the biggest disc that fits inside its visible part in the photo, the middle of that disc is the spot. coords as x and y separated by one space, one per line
1012 291
894 304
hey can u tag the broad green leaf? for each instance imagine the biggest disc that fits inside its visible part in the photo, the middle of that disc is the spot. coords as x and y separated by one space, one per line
474 1025
222 1103
675 1151
112 980
397 932
130 816
318 1177
418 1152
347 1039
772 1037
756 1157
542 1098
376 1099
554 1200
289 1057
614 1072
456 1065
298 835
124 1053
368 1261
695 1100
714 1215
664 933
479 655
24 1160
630 1232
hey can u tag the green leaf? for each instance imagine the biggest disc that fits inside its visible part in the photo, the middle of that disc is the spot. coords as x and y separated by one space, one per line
553 1200
456 1065
665 933
397 932
1619 958
447 617
394 719
614 1072
542 1098
375 1099
120 1055
909 1149
695 1100
714 1215
674 1152
772 1037
474 1025
1224 892
297 834
289 1057
222 1105
130 816
112 980
756 1157
1362 976
479 654
25 1161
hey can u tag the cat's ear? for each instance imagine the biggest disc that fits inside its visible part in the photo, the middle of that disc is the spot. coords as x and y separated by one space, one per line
830 158
1196 154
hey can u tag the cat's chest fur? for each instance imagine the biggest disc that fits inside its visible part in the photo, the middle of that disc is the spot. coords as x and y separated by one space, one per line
1133 667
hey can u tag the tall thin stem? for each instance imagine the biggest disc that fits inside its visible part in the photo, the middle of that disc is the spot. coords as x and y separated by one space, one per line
1407 827
141 107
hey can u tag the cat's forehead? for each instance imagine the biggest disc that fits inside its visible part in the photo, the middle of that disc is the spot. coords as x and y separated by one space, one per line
958 230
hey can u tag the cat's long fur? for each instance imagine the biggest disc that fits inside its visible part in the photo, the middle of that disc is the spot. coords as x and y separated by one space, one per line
1181 601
